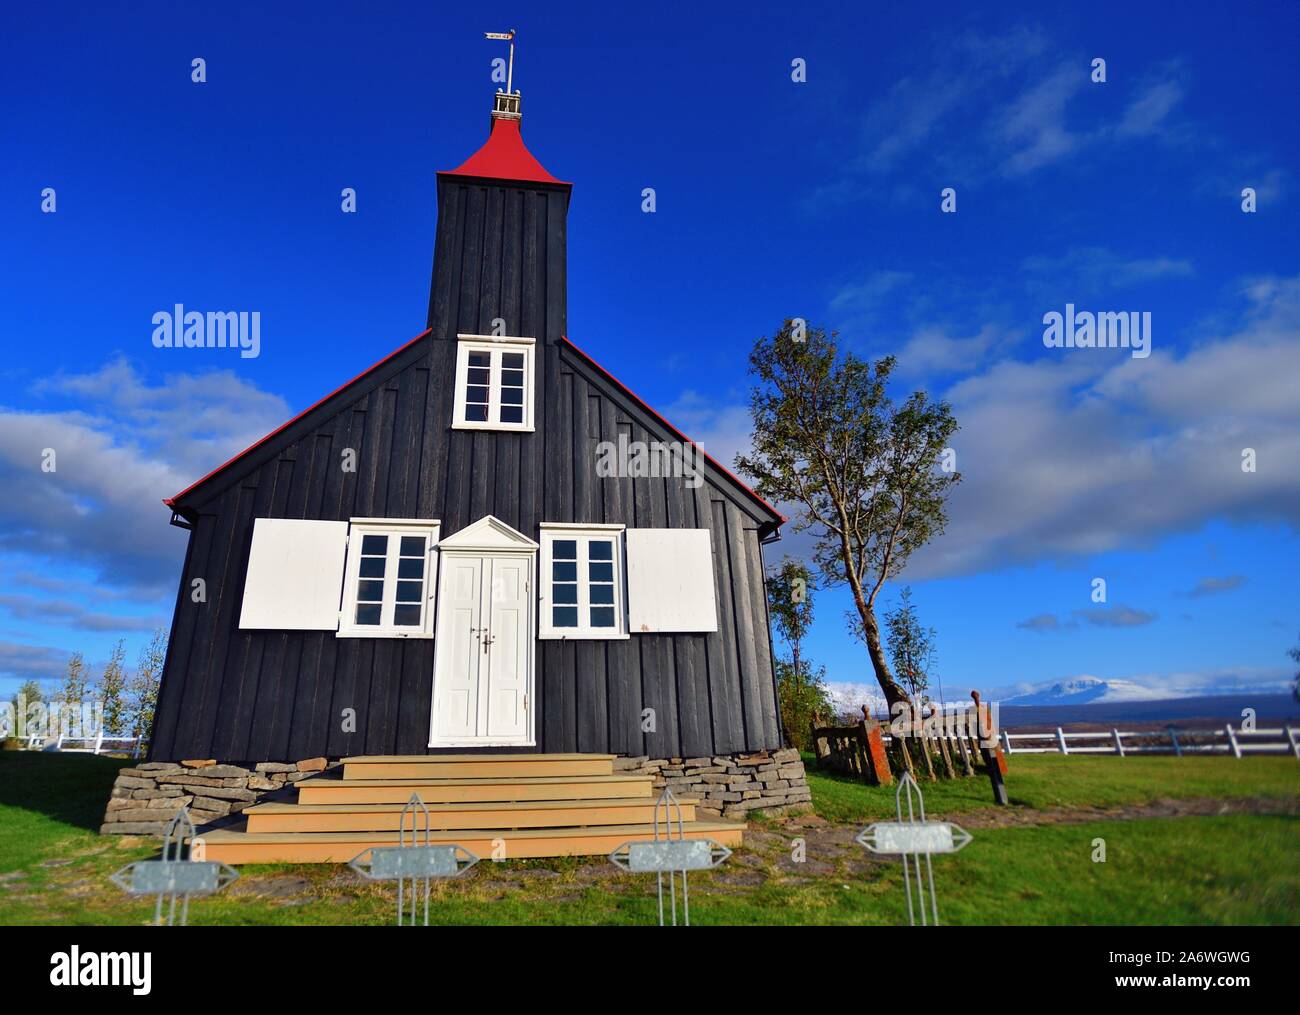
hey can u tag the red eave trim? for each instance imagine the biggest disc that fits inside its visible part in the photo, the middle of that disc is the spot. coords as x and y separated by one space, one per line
171 501
642 403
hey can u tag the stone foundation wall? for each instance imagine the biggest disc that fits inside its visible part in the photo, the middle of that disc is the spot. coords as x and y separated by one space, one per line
147 796
730 786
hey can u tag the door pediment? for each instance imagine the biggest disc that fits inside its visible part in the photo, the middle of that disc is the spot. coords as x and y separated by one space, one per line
488 535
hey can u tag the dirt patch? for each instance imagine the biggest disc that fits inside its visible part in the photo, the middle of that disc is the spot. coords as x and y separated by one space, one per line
283 887
1012 817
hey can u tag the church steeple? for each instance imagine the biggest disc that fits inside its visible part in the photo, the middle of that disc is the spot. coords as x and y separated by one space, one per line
504 156
500 248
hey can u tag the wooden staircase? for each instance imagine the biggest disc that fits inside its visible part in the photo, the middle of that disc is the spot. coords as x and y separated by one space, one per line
536 804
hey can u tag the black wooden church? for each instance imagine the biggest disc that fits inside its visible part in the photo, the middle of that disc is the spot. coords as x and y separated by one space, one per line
429 560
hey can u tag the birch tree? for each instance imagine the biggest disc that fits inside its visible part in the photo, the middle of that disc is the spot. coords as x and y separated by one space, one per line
862 473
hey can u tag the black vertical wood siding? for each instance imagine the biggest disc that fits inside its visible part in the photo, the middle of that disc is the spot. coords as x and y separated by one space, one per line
275 695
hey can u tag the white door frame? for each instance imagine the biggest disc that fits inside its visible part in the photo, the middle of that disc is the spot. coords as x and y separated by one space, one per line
488 537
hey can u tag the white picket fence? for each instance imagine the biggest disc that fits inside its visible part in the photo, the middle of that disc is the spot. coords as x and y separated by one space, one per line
1229 740
98 744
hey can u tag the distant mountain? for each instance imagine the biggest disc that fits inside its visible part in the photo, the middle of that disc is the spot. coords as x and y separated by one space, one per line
1086 690
1094 690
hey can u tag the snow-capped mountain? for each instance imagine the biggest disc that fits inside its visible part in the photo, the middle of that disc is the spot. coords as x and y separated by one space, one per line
1085 690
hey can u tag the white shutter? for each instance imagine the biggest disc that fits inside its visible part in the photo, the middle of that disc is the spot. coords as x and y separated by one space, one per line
295 575
670 581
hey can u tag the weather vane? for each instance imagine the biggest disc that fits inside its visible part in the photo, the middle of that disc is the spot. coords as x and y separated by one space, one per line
510 37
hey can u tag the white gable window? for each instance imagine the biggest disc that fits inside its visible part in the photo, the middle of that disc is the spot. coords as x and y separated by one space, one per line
582 582
390 579
670 582
494 383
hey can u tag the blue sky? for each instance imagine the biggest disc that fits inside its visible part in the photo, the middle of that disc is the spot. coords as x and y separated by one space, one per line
774 198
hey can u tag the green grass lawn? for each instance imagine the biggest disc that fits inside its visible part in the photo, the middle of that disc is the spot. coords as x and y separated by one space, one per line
1044 781
1216 869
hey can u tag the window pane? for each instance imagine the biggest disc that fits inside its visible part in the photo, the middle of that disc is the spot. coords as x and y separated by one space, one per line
476 413
372 567
409 592
476 395
512 396
564 616
410 567
368 613
512 378
480 359
370 591
512 360
602 595
602 616
564 549
406 616
600 550
478 375
566 593
374 544
599 572
564 571
412 546
512 414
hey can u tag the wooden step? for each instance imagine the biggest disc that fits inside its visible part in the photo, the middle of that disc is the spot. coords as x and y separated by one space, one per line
353 817
328 790
236 847
466 766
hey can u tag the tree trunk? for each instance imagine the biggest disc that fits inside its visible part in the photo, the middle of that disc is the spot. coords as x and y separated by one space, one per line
893 692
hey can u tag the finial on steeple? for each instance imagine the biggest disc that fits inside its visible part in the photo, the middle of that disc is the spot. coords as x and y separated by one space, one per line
505 104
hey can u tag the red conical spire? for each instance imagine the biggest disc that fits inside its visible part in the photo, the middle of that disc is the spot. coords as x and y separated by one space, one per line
504 156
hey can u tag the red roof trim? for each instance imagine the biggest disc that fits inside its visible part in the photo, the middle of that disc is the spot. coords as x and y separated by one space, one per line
641 402
171 501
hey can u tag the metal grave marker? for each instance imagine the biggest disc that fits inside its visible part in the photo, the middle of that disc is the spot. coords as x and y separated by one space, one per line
915 837
668 855
174 875
415 861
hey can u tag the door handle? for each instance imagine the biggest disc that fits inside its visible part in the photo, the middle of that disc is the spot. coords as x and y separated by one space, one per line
487 640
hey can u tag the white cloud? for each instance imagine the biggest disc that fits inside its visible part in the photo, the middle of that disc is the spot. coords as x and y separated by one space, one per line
932 350
1085 451
1034 124
125 446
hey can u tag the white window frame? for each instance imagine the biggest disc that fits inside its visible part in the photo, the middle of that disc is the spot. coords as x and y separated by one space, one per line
583 533
394 528
495 346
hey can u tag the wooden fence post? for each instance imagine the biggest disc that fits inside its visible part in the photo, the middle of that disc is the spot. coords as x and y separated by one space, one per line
1291 739
1173 738
947 756
873 752
1119 744
1006 741
965 756
1060 740
1232 741
993 759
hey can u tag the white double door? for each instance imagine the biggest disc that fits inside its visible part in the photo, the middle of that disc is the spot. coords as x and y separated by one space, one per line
483 656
